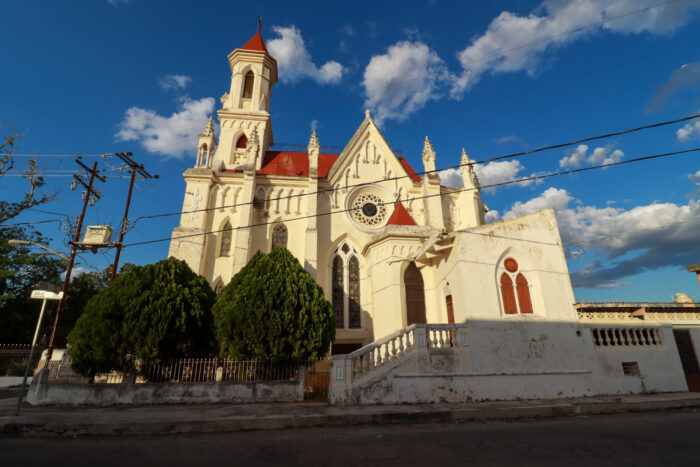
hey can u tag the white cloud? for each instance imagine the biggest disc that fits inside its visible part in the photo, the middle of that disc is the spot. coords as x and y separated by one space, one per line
689 130
491 173
600 155
506 139
171 136
174 82
632 241
295 62
403 80
314 124
117 2
517 43
695 178
687 76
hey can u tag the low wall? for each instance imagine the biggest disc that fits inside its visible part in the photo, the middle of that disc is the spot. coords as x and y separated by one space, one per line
507 361
41 393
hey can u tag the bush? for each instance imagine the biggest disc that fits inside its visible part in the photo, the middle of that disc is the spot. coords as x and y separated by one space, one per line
273 310
151 314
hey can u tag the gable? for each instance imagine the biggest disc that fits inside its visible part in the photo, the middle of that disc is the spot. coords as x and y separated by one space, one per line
368 158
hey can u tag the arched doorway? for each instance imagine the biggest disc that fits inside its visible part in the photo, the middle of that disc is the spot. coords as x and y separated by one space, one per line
415 295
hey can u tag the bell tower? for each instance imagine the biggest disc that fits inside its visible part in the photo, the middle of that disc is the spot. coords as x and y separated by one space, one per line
247 104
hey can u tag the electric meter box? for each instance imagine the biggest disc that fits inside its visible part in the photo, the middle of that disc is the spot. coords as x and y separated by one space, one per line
97 234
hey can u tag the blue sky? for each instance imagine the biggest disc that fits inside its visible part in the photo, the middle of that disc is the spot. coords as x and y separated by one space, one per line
93 76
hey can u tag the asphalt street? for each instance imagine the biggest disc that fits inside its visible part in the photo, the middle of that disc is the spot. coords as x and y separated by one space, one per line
658 438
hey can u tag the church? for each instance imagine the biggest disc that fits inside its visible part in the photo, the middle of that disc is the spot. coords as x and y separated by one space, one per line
388 246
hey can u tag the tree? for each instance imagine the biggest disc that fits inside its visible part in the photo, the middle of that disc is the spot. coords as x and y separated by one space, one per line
20 267
150 314
273 310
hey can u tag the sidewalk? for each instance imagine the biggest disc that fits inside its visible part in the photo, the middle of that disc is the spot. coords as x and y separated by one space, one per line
171 419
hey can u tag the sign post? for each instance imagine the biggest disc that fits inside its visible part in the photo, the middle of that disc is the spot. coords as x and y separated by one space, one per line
43 295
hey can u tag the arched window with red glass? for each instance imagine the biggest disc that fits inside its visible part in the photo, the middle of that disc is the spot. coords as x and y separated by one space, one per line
515 289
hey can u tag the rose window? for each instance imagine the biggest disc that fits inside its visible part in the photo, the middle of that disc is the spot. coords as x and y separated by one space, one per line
368 209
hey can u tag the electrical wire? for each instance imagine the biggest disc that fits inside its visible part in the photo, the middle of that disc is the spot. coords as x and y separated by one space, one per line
425 172
520 180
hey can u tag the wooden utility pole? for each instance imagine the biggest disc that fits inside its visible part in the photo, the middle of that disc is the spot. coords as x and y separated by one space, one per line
89 195
142 172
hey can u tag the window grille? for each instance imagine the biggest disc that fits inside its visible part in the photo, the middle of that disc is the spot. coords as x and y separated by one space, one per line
279 236
225 240
630 368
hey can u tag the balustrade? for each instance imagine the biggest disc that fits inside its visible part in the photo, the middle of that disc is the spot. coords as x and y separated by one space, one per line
626 337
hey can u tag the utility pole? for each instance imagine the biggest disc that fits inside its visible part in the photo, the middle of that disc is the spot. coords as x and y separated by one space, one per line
90 195
124 156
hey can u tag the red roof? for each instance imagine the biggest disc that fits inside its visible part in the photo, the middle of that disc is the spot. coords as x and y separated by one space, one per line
409 170
297 163
400 216
293 163
256 43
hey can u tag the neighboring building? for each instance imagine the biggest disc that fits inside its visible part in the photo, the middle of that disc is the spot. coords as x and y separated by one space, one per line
431 303
696 269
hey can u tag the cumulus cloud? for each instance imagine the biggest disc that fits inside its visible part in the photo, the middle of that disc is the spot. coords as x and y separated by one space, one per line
629 241
690 130
600 155
491 173
695 178
171 136
403 80
294 60
177 82
518 43
685 77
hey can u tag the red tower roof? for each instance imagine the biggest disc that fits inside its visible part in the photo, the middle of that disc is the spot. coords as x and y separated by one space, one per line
400 216
256 43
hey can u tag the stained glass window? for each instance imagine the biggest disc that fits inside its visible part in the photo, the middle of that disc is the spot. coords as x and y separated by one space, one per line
354 292
279 236
225 240
338 293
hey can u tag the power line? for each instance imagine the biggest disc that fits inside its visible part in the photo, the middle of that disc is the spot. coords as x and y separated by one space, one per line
472 163
29 223
534 177
56 155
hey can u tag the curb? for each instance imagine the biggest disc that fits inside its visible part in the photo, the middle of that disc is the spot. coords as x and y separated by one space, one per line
390 417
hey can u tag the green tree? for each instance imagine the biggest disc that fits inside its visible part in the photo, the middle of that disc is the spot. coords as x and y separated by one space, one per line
21 269
151 314
273 310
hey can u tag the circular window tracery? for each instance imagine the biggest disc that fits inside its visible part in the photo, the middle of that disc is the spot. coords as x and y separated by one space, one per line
368 209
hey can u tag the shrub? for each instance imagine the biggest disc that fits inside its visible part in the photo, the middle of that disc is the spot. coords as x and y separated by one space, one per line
273 310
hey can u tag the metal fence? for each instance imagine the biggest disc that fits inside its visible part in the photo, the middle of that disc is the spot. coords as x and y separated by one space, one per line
13 358
189 370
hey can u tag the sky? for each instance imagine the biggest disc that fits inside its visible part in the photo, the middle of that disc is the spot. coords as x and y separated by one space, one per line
99 76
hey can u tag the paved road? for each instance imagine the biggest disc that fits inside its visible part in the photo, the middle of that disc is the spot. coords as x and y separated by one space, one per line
661 438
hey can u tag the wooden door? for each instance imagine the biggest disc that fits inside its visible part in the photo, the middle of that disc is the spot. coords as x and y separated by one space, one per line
450 310
415 295
688 358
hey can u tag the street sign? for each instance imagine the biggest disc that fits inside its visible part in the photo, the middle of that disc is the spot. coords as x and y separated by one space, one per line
46 295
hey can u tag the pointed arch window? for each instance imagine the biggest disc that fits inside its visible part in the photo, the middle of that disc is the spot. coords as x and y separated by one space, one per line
248 85
515 294
346 289
242 142
226 240
279 236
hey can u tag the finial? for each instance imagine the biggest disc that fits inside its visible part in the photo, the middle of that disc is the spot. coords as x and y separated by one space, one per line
259 23
313 141
368 113
465 155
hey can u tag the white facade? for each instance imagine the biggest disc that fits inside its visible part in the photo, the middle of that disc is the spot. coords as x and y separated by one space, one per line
343 217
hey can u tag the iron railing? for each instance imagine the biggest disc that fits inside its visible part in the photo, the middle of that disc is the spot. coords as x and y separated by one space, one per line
188 370
324 149
13 358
